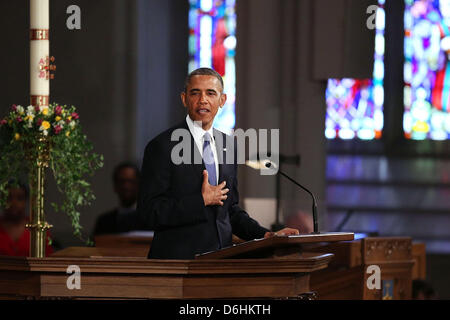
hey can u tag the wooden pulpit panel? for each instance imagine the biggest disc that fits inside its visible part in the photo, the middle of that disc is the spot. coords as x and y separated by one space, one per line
141 278
278 272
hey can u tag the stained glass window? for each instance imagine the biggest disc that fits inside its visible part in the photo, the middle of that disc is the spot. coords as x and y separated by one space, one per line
355 106
212 44
427 70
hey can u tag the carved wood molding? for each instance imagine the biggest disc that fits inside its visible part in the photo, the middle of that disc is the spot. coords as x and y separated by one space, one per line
386 249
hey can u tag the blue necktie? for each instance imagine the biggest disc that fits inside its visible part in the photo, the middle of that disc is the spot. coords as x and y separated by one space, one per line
208 158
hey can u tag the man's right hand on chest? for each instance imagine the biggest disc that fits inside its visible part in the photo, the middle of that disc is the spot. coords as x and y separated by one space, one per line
213 195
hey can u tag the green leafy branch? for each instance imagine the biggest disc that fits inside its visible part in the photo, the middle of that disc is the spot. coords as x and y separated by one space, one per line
71 156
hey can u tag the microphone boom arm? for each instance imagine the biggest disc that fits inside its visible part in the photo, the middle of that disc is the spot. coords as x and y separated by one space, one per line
314 204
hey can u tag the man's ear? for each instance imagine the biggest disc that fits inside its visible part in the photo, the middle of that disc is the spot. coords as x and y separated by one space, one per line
223 99
183 98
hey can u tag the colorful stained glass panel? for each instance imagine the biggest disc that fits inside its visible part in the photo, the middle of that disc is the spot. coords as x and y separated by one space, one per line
427 69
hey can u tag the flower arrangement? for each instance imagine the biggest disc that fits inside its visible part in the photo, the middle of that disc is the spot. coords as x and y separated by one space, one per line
54 131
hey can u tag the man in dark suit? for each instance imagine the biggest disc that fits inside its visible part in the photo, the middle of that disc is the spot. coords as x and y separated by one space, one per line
192 206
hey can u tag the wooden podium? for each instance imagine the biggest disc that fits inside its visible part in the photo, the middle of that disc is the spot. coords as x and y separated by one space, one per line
277 269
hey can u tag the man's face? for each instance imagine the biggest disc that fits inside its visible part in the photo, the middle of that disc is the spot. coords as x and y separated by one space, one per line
127 186
202 98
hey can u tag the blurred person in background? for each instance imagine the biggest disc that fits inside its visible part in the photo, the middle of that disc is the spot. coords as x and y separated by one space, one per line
14 236
124 217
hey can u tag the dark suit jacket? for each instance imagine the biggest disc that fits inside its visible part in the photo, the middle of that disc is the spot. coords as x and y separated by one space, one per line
171 202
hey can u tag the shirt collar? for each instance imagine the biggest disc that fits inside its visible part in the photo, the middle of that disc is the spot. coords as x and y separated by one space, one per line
197 131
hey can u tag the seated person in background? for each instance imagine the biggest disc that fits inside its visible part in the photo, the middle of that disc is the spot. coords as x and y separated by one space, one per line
14 237
123 218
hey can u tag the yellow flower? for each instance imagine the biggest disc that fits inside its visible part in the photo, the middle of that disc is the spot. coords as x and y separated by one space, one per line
17 136
44 110
69 118
57 118
45 125
67 133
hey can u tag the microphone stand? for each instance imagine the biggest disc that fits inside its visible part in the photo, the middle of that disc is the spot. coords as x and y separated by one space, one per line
314 204
277 226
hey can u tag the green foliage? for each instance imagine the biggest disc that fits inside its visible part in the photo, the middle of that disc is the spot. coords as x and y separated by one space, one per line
27 133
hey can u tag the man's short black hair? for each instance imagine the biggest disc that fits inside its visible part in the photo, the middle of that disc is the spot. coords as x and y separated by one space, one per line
203 72
123 165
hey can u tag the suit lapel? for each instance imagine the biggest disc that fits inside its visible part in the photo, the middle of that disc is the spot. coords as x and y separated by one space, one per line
197 160
219 139
197 163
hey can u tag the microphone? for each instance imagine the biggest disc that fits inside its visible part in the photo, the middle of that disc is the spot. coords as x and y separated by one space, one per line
269 164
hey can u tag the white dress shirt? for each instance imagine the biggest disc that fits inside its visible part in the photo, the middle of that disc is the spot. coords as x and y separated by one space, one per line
198 133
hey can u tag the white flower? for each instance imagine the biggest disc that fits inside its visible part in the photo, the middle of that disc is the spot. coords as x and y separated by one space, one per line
20 110
59 123
45 132
30 111
72 124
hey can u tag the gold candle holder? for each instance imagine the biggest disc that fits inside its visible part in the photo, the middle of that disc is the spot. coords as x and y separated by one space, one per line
38 226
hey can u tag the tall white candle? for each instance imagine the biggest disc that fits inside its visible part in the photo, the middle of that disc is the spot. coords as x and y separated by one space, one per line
39 14
39 49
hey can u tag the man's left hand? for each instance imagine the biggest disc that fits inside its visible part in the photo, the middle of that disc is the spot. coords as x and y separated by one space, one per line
283 232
